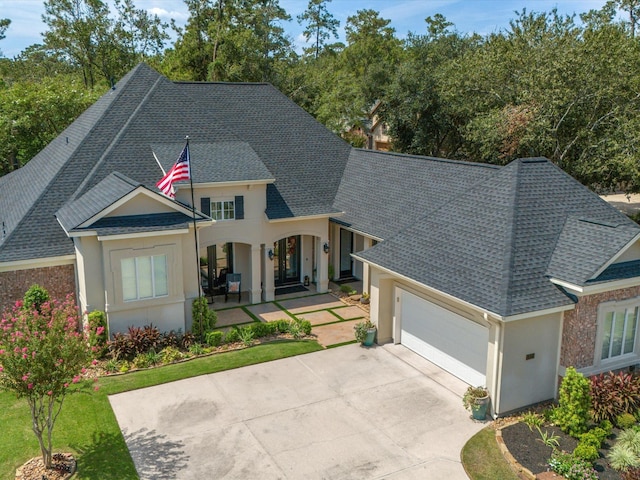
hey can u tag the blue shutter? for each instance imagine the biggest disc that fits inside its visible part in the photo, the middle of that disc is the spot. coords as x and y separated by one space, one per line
205 206
239 206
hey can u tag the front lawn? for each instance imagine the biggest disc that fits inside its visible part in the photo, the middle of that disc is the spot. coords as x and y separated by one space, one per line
87 426
483 460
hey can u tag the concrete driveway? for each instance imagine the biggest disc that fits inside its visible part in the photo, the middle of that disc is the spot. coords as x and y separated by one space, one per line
343 413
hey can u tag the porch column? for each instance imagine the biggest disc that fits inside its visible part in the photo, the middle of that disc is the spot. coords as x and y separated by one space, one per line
255 292
366 285
334 254
268 284
323 265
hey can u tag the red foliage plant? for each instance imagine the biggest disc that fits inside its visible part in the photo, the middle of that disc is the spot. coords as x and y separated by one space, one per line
613 394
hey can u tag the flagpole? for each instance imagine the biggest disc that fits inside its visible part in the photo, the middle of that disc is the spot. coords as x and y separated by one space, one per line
193 212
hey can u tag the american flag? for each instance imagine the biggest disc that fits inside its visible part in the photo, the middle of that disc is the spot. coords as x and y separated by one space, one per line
180 171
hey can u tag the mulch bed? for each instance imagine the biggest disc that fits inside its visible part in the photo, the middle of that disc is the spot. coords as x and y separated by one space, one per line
63 466
527 448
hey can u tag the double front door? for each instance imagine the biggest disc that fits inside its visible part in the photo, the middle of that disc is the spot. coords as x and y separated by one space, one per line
286 260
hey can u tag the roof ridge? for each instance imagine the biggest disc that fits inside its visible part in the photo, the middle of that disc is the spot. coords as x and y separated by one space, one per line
430 158
510 236
118 135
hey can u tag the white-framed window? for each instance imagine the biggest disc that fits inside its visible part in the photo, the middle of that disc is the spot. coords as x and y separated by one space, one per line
223 210
618 324
144 277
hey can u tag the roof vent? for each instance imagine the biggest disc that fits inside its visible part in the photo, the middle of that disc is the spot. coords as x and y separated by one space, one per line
4 231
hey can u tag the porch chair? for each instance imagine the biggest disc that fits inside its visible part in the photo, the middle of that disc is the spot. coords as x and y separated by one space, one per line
233 285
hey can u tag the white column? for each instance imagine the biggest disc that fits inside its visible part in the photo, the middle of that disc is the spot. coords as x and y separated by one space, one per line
323 266
269 281
366 282
254 287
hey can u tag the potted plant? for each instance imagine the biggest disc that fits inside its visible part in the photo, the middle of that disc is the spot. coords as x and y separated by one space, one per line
364 299
476 400
365 332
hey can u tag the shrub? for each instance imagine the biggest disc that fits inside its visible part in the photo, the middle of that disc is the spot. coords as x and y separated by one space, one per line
35 297
348 289
299 328
282 325
171 354
125 366
97 329
153 357
591 439
214 338
572 414
625 420
204 319
588 453
361 328
172 338
231 336
136 341
187 340
614 394
600 434
262 329
607 426
111 365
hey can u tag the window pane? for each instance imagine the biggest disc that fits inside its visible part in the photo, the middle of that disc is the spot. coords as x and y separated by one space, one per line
160 275
128 266
630 333
216 210
616 335
229 213
145 287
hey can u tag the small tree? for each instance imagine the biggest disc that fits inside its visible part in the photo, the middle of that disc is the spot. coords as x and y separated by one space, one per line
574 403
204 319
42 353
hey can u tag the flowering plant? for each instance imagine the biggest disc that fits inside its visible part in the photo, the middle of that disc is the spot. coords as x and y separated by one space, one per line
42 353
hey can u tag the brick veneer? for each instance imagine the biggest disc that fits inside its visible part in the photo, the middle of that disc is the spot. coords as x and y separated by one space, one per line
580 325
59 281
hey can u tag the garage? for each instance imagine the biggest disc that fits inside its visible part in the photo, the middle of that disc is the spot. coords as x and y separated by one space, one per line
445 338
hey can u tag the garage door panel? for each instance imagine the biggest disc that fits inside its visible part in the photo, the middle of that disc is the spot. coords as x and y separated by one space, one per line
447 339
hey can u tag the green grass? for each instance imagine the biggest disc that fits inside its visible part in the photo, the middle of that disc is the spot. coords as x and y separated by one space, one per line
483 460
87 426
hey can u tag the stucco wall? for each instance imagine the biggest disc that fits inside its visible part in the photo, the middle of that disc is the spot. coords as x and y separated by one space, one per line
529 361
580 327
58 280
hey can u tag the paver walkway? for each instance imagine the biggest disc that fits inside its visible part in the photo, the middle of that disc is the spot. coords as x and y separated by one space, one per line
332 319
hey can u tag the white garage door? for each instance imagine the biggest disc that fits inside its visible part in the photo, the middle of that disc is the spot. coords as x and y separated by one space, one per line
452 342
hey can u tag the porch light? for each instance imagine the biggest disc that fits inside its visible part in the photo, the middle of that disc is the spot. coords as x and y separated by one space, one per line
270 253
325 247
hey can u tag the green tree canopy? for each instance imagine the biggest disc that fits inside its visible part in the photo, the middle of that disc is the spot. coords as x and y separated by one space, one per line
320 24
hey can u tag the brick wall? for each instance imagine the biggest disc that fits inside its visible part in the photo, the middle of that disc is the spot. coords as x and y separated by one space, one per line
58 280
580 324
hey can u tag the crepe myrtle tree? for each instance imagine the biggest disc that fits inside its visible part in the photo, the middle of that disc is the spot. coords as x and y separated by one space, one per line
43 353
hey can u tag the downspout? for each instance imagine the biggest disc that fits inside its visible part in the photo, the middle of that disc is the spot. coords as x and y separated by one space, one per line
497 365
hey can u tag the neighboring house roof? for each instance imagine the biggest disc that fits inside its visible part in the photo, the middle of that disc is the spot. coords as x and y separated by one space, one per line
492 245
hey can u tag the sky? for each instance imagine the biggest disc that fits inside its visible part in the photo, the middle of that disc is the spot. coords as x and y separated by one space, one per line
468 16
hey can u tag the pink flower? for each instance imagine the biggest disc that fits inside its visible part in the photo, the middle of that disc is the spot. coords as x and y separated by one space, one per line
94 362
49 393
24 355
96 388
84 370
66 385
99 330
1 368
76 379
1 351
30 386
25 377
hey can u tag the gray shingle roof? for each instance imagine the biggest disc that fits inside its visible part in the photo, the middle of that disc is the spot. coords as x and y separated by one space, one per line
225 161
382 193
130 224
264 134
491 245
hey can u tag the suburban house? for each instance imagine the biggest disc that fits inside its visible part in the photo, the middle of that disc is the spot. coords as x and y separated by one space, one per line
504 276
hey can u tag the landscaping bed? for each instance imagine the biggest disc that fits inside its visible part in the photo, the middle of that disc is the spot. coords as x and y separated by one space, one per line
529 450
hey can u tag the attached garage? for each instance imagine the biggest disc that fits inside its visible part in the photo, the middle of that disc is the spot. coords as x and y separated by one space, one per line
452 342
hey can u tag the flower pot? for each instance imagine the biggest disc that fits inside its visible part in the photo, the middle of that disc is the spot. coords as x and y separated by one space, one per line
479 408
364 300
371 335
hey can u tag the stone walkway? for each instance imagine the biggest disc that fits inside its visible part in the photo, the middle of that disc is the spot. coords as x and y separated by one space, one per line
332 319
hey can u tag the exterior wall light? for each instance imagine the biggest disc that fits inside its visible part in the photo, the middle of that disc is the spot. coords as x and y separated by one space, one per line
270 253
325 247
